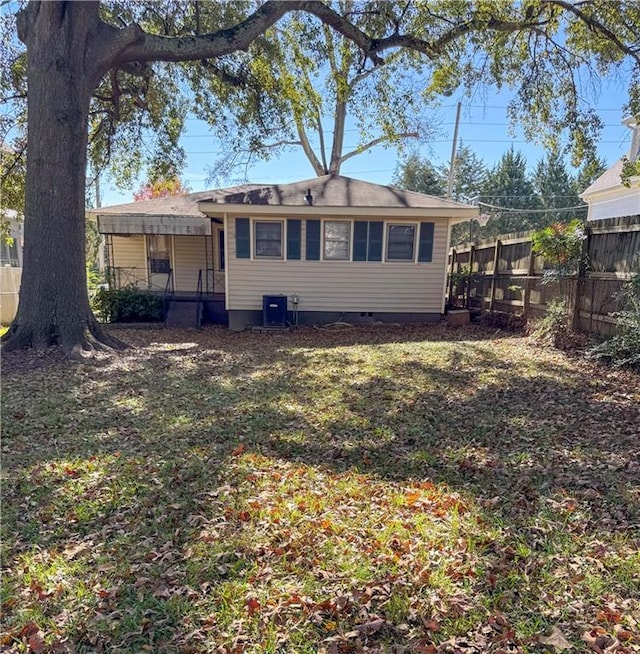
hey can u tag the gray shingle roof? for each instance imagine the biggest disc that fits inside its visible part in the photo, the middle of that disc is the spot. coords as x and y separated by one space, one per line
327 191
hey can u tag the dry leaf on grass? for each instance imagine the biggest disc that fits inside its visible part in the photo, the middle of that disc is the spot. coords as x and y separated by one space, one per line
556 639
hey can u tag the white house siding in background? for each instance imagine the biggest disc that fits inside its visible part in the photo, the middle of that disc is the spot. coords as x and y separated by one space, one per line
9 293
619 202
344 286
11 268
607 197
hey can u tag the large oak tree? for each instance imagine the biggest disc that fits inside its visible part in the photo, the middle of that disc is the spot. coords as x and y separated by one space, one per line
77 49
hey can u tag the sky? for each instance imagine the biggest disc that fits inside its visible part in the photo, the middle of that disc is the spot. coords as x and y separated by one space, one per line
484 127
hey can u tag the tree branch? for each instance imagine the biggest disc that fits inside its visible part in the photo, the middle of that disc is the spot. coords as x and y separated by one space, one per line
371 144
163 48
318 169
596 26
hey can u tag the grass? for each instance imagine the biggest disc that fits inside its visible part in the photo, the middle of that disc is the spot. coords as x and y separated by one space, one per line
370 490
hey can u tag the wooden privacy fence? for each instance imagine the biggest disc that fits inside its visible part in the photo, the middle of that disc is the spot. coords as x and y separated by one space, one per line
505 275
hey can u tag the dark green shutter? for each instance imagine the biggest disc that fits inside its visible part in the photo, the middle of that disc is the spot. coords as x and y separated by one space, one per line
376 230
243 238
425 251
294 229
360 233
313 240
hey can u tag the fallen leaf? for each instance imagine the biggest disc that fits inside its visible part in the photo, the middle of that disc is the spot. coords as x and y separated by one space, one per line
253 606
600 641
36 643
556 639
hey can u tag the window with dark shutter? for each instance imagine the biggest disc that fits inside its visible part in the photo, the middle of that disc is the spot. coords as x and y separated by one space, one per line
293 238
376 229
425 249
360 240
268 235
243 238
313 240
400 242
337 234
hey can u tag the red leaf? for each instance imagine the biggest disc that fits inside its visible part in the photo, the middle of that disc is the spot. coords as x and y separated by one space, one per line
30 628
36 643
237 451
253 606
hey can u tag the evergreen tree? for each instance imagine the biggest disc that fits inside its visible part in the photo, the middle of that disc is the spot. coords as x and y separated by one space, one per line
508 186
420 175
557 188
470 174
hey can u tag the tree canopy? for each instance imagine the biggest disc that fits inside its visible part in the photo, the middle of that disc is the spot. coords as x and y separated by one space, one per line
99 73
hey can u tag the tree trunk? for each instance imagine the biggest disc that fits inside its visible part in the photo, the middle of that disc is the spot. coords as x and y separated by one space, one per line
54 305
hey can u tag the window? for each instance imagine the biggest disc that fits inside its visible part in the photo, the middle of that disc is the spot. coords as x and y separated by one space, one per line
400 240
9 253
159 261
268 239
336 240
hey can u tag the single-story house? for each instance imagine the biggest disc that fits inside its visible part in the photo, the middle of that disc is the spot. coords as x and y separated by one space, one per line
10 266
607 197
321 250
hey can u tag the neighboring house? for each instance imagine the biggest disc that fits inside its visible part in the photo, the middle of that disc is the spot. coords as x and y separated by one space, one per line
10 267
607 197
326 249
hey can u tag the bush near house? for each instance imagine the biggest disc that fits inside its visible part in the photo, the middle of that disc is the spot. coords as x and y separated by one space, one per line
128 304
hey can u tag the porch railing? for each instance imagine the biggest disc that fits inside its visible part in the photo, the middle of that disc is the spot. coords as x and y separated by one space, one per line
168 293
119 277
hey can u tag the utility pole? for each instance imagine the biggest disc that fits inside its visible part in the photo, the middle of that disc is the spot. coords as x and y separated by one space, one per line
454 150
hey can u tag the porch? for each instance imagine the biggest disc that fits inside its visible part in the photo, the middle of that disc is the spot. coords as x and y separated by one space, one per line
181 308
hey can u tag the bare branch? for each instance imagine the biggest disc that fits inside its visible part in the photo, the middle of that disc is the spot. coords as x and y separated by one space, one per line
381 139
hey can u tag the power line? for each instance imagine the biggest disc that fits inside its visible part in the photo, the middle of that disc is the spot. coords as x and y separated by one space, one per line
554 210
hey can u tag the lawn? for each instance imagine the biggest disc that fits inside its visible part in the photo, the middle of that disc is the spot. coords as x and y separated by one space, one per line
391 489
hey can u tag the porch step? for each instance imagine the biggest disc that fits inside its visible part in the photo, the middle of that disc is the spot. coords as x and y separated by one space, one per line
183 314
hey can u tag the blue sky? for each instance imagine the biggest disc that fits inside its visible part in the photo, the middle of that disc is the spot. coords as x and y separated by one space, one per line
484 127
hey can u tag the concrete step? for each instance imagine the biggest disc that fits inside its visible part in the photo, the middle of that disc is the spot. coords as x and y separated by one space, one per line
182 314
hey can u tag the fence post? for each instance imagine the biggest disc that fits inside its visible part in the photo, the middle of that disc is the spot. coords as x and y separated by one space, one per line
467 302
453 261
583 264
494 276
527 282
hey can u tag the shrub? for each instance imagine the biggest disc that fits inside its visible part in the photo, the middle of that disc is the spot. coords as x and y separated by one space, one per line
555 325
128 304
561 245
623 349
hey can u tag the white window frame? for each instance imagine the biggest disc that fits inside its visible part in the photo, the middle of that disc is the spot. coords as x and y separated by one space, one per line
254 238
387 231
349 256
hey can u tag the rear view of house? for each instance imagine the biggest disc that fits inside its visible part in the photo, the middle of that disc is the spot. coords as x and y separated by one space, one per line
330 248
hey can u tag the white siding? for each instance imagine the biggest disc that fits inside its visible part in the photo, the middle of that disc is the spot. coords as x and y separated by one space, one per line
130 254
398 287
189 256
9 293
625 202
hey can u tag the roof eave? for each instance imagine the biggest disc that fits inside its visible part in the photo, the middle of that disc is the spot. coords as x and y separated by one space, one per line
457 214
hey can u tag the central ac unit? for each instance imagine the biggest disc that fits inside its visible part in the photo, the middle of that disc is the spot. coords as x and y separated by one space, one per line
274 310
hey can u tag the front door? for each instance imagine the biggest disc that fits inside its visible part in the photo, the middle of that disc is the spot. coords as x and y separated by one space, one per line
215 274
159 258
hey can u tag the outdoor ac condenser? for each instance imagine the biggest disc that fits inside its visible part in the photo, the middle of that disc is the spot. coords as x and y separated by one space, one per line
274 310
